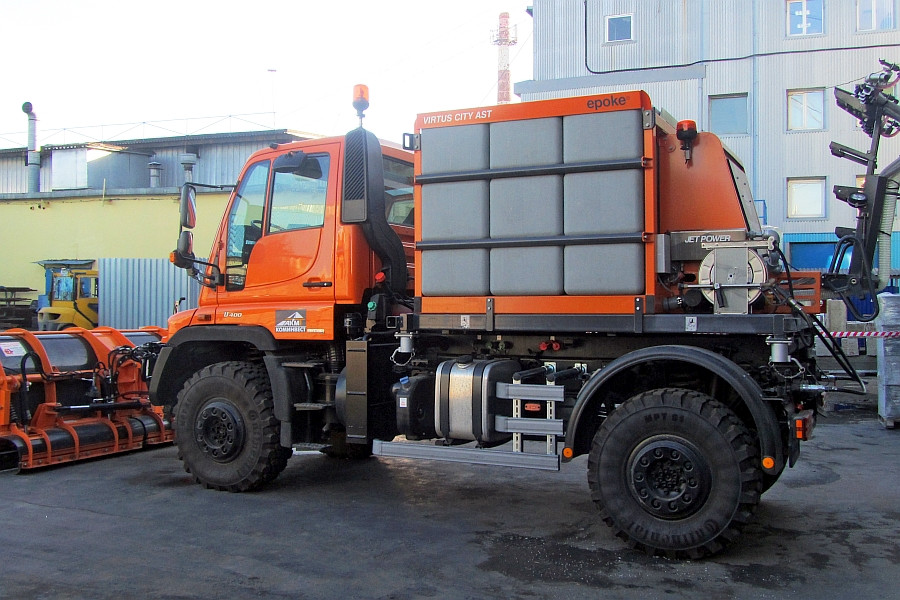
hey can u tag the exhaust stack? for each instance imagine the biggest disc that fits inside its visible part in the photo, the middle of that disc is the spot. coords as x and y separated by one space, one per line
33 158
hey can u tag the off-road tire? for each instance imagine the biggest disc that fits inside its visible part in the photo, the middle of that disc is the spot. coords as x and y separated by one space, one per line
225 427
675 472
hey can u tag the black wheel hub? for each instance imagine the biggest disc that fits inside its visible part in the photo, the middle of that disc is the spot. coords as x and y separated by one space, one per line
219 431
669 477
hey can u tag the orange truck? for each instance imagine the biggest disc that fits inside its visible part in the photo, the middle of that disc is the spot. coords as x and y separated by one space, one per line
522 285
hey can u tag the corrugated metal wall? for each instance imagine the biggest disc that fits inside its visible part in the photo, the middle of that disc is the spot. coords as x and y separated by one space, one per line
135 292
13 174
218 164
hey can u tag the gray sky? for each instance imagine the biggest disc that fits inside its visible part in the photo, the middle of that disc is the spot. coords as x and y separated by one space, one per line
170 67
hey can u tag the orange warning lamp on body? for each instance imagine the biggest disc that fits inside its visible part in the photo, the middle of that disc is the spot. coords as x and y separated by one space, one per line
686 132
360 99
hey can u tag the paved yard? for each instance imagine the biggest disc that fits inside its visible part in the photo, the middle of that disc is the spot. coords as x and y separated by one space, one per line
136 526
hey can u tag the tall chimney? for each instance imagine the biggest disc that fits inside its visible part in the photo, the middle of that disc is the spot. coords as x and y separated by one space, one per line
33 158
504 39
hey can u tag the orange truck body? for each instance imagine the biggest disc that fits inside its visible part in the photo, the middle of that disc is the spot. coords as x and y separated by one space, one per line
532 282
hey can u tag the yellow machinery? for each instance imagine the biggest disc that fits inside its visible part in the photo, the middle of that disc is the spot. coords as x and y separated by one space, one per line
74 301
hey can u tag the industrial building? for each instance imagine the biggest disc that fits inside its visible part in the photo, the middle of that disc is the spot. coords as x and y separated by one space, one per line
759 73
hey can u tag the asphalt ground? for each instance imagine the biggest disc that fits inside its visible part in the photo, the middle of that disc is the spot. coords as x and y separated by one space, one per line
136 526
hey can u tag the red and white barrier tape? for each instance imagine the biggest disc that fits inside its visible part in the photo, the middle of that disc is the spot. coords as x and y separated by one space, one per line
857 334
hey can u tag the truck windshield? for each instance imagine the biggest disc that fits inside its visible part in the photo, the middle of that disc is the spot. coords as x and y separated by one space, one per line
245 223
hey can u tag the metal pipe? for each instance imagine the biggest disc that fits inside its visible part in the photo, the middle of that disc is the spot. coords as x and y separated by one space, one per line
33 158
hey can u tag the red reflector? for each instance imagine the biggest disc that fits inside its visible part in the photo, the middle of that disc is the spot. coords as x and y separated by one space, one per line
532 406
804 422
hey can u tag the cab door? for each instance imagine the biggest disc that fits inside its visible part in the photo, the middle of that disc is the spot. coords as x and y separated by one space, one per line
278 255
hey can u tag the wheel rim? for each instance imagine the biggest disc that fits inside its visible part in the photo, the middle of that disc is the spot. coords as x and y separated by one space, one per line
669 477
219 431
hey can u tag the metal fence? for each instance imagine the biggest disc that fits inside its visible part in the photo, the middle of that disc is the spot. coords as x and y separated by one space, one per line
135 292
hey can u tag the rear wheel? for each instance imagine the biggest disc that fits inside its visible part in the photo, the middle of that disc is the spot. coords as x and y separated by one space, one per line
675 472
226 430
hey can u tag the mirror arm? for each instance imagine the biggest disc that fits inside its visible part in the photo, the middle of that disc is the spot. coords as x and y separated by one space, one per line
210 281
227 186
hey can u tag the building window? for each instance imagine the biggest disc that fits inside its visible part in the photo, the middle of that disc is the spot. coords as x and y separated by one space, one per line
806 198
804 17
728 114
806 109
874 15
618 28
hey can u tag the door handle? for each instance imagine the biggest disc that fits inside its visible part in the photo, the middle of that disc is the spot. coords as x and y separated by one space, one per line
317 284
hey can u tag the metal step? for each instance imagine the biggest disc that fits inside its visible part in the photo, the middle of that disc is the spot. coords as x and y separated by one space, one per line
474 456
527 391
528 426
311 405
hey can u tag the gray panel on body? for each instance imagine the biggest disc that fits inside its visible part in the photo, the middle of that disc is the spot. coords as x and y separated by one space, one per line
604 269
455 272
455 211
526 206
527 271
604 202
454 149
526 143
603 136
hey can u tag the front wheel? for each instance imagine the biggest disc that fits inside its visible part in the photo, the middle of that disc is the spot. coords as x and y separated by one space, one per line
675 472
225 428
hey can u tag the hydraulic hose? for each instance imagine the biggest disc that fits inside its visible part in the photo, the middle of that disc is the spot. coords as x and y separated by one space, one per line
833 346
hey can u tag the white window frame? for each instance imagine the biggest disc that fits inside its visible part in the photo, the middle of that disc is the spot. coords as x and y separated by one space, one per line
886 5
630 37
806 110
793 188
806 23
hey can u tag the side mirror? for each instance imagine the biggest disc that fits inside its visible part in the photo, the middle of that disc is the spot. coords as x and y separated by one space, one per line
188 207
183 257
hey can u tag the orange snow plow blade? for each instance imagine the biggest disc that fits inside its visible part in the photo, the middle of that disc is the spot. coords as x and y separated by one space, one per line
76 394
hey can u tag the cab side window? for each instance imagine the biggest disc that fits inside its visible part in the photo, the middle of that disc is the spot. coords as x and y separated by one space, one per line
298 199
88 287
398 192
245 221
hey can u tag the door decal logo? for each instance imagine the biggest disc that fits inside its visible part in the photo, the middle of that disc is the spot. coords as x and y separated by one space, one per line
290 321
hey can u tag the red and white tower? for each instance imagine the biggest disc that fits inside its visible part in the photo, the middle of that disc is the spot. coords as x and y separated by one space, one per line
504 37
